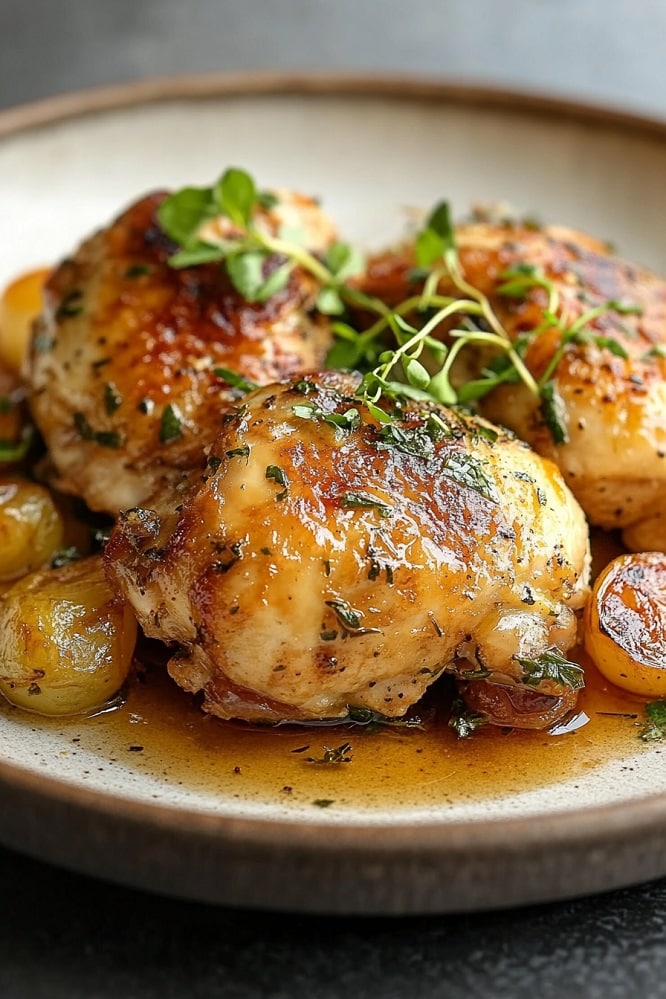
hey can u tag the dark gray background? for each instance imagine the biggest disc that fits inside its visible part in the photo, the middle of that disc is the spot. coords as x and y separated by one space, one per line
610 51
66 936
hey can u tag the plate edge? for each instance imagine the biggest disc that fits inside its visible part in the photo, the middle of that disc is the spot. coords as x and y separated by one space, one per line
399 87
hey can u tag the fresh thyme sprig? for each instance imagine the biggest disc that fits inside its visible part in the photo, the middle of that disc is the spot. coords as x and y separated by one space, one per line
419 365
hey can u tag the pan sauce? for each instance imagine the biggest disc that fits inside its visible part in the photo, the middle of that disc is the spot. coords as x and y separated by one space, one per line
160 731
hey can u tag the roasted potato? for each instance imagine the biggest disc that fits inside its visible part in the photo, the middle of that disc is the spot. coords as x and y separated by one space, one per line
625 626
66 641
20 304
31 527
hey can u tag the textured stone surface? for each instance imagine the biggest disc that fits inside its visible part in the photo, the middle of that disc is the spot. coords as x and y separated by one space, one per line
67 937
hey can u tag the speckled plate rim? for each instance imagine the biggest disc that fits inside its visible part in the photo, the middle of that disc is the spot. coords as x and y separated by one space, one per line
315 866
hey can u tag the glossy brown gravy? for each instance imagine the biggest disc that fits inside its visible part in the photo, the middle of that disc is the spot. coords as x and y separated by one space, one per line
161 731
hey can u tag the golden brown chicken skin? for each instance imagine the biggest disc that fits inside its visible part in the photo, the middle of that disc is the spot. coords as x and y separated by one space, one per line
613 407
124 371
322 561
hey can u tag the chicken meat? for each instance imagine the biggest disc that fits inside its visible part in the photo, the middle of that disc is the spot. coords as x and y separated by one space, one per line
604 353
323 560
127 368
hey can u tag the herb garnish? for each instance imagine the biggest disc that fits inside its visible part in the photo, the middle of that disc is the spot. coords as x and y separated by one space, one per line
259 264
655 725
112 398
364 501
349 617
463 721
233 379
11 451
171 424
105 438
278 475
552 665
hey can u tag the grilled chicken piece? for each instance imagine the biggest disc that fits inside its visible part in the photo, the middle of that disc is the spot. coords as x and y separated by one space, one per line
613 407
322 560
122 372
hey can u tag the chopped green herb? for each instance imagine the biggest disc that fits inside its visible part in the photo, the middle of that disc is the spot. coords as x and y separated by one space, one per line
112 398
137 270
467 470
11 451
364 501
552 665
349 617
278 475
71 305
171 424
105 438
239 452
235 380
655 725
463 721
553 411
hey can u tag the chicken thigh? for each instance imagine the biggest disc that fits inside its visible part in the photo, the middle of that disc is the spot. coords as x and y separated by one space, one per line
127 368
603 351
323 560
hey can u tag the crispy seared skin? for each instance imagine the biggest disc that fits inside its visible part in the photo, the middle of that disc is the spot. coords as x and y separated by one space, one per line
614 408
122 369
315 567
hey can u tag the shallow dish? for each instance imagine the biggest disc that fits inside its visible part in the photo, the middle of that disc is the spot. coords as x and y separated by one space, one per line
116 802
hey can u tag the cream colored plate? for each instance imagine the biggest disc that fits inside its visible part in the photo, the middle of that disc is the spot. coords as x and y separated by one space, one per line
376 152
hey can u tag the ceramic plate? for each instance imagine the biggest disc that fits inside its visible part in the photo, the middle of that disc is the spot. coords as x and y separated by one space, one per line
221 818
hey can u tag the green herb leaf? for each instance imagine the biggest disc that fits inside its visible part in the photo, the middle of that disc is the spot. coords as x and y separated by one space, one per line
349 617
112 398
239 452
463 721
364 501
329 302
553 412
246 273
105 438
655 726
467 470
348 421
236 195
11 451
234 380
278 475
171 424
344 261
182 214
552 665
611 344
417 374
197 253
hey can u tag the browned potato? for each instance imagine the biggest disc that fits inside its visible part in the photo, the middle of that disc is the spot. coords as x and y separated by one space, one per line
66 641
625 630
31 528
20 304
